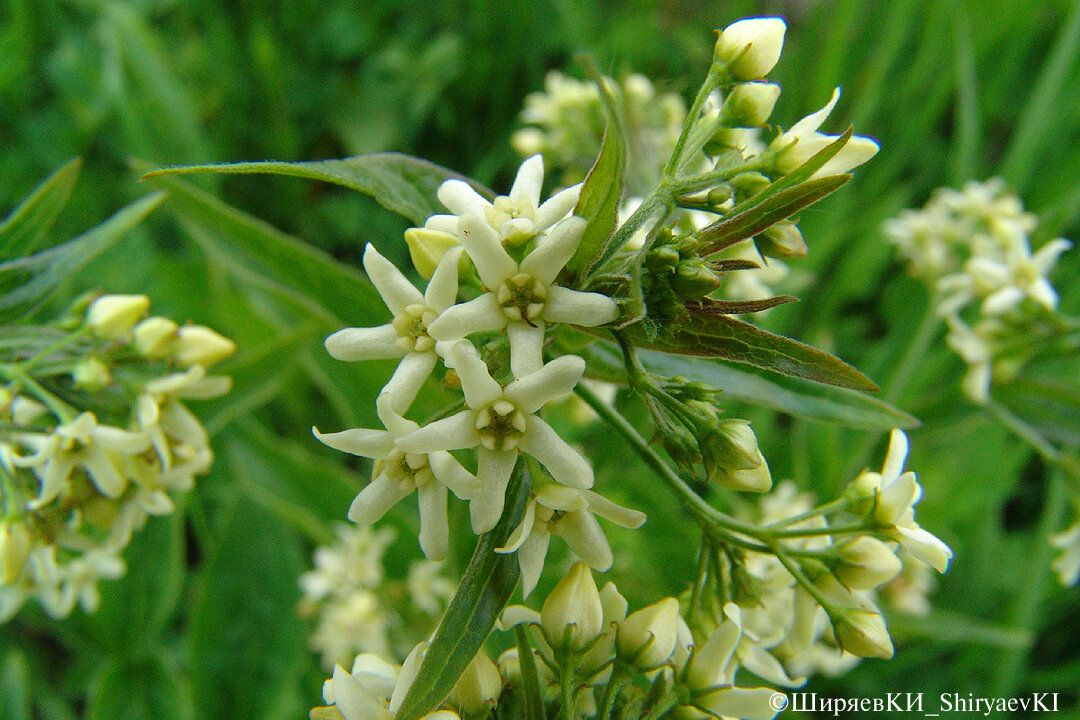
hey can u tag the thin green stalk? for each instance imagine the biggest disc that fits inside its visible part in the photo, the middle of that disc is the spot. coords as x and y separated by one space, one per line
568 711
64 412
712 81
836 505
615 684
817 532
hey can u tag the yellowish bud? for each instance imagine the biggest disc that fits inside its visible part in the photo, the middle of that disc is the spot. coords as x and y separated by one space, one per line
575 604
199 345
112 316
15 545
478 688
647 638
751 48
863 633
91 374
426 248
156 337
866 563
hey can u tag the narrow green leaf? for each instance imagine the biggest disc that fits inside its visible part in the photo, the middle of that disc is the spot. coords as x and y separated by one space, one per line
140 689
253 249
23 231
792 395
722 336
14 686
25 283
530 681
484 591
781 206
400 183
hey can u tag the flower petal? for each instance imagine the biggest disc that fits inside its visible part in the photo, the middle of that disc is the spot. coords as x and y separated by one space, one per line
531 559
813 121
531 392
376 343
395 424
442 289
529 180
554 250
894 457
481 314
521 532
434 531
410 375
476 382
621 516
562 461
373 501
453 433
375 444
582 533
526 347
395 288
743 703
453 475
103 472
925 546
557 206
586 309
495 468
461 199
486 251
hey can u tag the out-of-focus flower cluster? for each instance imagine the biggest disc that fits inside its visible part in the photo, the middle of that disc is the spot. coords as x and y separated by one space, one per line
973 247
95 437
357 609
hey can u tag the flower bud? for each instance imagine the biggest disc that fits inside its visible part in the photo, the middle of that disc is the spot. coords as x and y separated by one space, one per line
647 638
90 374
862 632
156 337
750 48
15 545
26 411
478 687
111 316
198 345
575 604
750 183
866 563
693 281
426 248
783 240
751 104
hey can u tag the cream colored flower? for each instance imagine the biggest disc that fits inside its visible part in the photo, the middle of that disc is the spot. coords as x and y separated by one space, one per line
802 141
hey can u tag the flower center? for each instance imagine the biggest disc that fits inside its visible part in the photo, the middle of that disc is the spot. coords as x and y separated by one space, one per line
409 470
516 223
522 298
500 425
411 327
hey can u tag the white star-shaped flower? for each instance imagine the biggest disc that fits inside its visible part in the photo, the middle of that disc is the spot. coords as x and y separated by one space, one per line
399 471
802 141
897 492
406 336
522 296
501 423
555 509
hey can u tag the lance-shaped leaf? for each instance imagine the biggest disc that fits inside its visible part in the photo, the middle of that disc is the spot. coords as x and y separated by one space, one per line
792 395
722 336
27 282
484 591
23 231
400 183
771 210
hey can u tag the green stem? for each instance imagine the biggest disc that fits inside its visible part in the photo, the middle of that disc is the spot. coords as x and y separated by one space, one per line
30 363
64 412
568 711
712 81
615 684
816 532
800 577
837 505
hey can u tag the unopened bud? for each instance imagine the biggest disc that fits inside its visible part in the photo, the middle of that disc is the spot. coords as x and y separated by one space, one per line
198 345
111 316
574 604
750 183
15 545
647 638
783 240
478 687
751 104
862 633
865 563
750 48
90 374
693 281
156 337
25 411
426 248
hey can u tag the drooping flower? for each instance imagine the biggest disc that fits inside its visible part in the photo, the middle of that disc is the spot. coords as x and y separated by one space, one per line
406 336
501 423
399 471
522 296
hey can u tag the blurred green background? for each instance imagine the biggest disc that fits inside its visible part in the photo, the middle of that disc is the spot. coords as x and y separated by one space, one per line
952 90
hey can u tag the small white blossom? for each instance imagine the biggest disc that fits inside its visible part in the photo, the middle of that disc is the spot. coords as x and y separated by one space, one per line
522 296
374 689
802 141
406 336
501 423
400 470
1067 564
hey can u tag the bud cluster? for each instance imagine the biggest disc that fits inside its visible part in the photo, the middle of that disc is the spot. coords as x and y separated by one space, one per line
95 438
973 247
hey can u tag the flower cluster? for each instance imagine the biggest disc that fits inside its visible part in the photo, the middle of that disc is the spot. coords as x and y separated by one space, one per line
517 247
973 247
357 609
95 438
